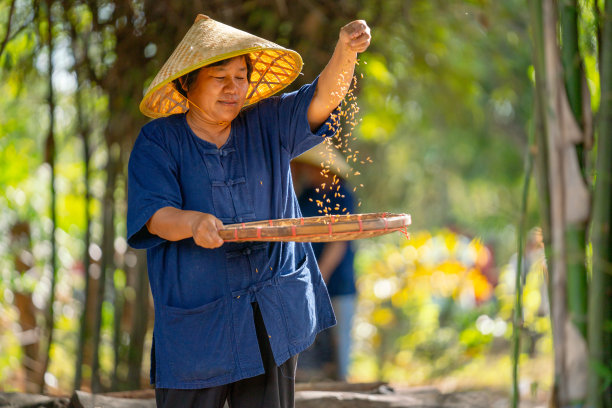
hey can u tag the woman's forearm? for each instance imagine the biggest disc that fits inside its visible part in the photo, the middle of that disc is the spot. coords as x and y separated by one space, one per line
174 224
335 79
333 85
171 223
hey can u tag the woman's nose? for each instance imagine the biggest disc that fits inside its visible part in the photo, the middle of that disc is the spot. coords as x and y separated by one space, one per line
230 85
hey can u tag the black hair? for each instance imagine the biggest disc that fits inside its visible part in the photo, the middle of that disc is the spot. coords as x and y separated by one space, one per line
189 78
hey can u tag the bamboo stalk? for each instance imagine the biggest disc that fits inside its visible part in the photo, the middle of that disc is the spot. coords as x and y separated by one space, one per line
570 56
575 234
50 153
565 195
518 286
85 326
541 154
140 321
600 305
107 263
558 272
119 302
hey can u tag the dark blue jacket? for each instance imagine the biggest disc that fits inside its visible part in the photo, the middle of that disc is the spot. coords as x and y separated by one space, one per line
204 333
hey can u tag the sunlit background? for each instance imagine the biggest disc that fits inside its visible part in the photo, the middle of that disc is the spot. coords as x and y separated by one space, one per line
445 104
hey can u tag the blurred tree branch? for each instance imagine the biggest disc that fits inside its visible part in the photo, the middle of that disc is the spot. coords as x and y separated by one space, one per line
8 36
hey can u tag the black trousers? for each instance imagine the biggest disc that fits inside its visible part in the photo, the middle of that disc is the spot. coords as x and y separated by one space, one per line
273 389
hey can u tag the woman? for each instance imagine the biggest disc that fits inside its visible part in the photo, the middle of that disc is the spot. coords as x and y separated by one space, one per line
230 318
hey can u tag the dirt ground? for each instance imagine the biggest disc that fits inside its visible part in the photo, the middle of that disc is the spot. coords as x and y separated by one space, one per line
313 395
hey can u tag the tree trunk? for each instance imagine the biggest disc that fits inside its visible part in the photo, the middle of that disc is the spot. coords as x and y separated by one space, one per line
140 320
29 338
31 347
600 293
568 198
517 325
85 325
50 158
576 232
541 152
120 304
113 167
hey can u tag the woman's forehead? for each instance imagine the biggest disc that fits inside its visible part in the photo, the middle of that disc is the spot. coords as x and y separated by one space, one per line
230 63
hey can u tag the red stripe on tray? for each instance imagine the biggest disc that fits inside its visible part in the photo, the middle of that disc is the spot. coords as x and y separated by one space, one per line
360 223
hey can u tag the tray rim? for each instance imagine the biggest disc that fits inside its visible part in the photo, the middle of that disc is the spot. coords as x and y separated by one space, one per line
322 228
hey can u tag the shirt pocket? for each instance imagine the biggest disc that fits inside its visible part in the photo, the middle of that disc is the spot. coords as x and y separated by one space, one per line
201 346
297 298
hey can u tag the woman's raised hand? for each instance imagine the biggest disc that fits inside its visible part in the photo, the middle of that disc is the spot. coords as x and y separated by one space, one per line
356 36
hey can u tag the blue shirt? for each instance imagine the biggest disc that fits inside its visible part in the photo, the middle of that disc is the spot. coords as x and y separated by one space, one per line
342 280
204 332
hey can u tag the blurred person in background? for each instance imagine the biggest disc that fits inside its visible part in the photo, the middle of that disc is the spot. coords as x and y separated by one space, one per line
534 285
329 357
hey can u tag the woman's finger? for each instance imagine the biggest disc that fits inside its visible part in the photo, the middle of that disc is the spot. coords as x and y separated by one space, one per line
361 43
364 38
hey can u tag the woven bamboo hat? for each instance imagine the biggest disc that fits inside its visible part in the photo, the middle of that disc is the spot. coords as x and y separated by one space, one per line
208 41
326 156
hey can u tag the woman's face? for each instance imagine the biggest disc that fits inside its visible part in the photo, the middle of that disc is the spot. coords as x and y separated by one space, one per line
220 91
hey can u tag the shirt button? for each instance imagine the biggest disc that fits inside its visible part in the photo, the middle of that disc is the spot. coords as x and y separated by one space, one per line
247 251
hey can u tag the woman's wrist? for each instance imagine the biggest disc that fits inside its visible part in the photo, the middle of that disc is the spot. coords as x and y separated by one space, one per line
346 54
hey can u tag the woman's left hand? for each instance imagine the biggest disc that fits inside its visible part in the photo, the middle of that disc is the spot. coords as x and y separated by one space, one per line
355 36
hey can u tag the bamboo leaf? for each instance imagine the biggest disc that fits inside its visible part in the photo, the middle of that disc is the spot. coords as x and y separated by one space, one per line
604 372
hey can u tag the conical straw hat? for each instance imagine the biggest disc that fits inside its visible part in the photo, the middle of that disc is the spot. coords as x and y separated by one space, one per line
208 41
326 156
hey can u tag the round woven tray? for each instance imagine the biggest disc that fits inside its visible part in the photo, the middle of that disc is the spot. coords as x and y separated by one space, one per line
317 229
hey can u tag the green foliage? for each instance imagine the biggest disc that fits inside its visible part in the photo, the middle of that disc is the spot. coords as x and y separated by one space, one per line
445 112
10 357
604 372
588 24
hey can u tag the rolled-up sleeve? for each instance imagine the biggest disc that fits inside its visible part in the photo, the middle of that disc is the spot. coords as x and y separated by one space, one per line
296 136
152 185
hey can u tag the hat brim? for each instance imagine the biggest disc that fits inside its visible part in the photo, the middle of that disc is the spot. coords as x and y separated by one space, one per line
207 42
